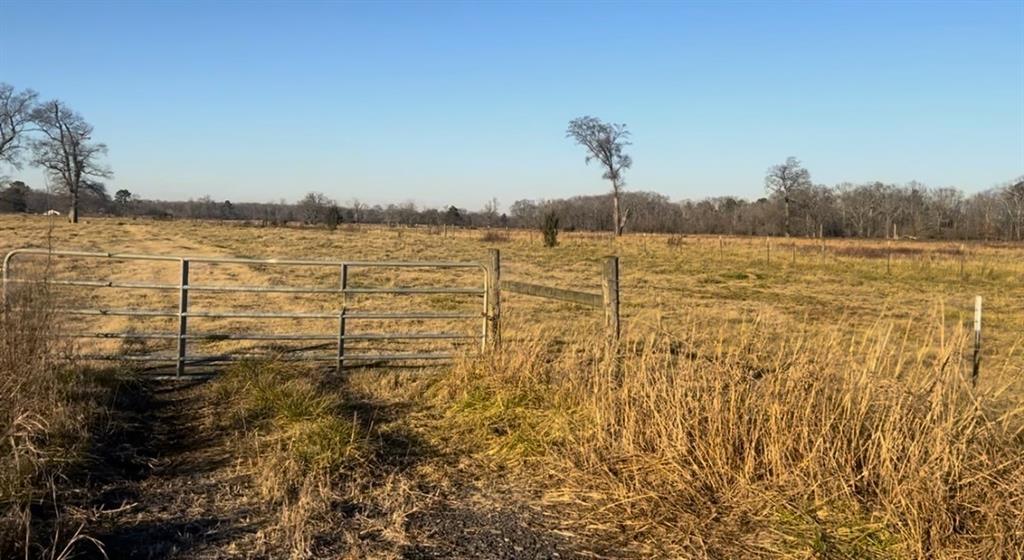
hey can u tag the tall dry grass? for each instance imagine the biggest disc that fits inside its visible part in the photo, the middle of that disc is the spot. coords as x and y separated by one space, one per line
763 442
46 406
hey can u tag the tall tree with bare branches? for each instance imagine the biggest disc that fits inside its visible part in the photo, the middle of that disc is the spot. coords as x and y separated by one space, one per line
787 180
15 120
66 151
605 142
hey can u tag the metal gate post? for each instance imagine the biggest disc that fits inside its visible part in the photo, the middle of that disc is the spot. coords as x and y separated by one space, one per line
4 297
182 317
493 319
341 339
341 317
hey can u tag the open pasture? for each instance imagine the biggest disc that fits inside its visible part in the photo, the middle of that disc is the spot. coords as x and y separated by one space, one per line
769 397
719 281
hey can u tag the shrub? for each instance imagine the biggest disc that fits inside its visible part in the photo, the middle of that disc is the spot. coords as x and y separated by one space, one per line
492 236
549 227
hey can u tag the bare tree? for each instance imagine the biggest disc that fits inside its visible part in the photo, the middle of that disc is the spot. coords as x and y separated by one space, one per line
357 210
490 212
1013 201
67 153
15 119
786 181
314 207
605 142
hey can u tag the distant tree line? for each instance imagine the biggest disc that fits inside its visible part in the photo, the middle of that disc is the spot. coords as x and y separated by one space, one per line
846 210
872 209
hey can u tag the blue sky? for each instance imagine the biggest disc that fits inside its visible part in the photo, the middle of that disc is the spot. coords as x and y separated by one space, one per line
460 102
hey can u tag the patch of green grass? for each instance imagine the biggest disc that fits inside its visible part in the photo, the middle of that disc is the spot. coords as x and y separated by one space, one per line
838 531
287 407
513 423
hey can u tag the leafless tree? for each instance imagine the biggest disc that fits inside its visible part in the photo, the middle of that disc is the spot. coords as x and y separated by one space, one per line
66 151
605 142
786 181
357 210
1013 201
489 214
314 207
15 119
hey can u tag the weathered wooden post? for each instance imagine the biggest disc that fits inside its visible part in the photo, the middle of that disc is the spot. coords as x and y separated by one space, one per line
493 336
888 258
610 296
976 369
767 250
962 257
721 248
793 246
182 317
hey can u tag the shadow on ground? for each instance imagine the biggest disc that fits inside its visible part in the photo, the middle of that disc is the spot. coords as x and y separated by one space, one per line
157 486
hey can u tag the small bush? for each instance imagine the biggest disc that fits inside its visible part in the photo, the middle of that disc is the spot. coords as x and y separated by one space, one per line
492 236
549 227
332 217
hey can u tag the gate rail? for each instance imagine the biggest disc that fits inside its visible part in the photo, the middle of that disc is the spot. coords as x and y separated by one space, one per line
489 291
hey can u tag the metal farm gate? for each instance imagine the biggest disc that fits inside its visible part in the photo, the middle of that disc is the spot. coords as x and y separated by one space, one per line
484 288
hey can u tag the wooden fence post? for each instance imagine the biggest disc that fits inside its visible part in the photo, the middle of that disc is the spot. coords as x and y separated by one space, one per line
610 295
182 317
962 261
494 299
768 250
721 248
975 370
888 258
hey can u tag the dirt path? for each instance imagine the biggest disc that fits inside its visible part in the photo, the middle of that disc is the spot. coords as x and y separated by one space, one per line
452 507
164 484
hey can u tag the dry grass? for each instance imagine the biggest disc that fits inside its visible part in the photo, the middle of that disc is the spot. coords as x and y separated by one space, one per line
806 403
299 444
758 443
46 408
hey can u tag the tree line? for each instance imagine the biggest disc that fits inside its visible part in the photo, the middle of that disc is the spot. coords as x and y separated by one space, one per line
872 209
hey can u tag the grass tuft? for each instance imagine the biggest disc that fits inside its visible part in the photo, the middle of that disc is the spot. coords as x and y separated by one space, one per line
300 443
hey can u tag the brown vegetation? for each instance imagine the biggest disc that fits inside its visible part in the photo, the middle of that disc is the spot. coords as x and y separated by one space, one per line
751 442
46 408
813 405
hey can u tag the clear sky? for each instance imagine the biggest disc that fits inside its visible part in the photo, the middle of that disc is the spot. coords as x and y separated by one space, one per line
460 102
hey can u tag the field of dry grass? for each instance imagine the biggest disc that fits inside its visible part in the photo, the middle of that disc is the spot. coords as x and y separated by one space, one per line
804 400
